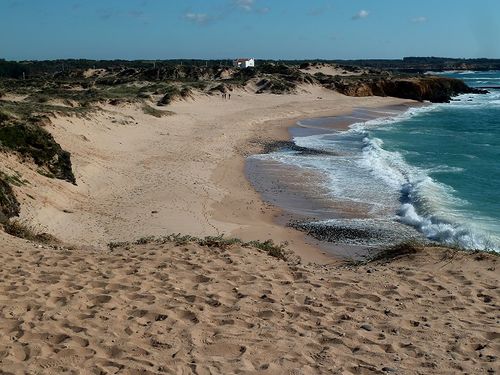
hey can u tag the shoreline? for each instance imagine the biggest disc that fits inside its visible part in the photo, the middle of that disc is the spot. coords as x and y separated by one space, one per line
217 306
290 189
140 176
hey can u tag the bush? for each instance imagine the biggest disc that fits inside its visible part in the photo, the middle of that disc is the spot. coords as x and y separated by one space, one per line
277 251
21 230
148 110
9 206
34 142
398 250
212 242
171 93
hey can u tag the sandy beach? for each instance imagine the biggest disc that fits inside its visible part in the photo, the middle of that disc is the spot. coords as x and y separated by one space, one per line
139 175
179 307
249 187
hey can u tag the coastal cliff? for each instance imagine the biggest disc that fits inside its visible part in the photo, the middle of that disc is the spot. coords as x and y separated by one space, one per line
433 89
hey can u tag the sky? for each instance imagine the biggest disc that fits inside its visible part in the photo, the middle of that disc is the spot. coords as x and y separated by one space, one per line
270 29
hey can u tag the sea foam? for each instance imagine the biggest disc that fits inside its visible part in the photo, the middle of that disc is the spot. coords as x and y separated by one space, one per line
358 168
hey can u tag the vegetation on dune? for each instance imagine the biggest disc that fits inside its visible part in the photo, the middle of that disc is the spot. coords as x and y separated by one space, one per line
148 110
173 69
398 250
34 142
14 179
121 81
22 230
219 242
9 206
172 93
275 86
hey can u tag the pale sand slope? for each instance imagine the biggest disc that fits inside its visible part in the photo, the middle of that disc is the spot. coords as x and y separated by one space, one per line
139 175
166 309
331 70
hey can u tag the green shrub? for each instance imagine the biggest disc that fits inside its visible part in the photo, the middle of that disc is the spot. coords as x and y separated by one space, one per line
218 242
21 230
212 242
173 92
148 110
272 249
399 250
35 142
9 206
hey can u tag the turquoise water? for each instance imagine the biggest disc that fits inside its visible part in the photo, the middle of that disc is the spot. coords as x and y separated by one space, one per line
435 168
455 149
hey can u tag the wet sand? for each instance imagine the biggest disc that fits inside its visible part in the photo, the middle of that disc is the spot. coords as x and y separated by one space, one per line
300 192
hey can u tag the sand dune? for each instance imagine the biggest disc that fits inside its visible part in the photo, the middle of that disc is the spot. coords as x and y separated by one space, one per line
139 175
183 309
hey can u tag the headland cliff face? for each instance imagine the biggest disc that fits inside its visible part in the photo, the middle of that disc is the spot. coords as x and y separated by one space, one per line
433 89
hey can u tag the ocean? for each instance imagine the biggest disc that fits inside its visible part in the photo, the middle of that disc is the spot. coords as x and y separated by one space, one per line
433 168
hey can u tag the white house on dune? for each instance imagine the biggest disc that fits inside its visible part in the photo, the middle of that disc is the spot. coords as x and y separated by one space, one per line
244 63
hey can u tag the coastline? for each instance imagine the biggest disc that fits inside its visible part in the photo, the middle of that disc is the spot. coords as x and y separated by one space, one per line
180 305
298 200
139 176
273 219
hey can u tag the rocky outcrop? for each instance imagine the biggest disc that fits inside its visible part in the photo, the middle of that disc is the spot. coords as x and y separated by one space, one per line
433 89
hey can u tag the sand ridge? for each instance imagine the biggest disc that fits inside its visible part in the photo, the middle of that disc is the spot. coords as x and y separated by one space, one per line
186 309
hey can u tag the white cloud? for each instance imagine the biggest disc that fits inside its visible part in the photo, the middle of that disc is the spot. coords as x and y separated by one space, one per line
246 5
361 14
420 19
218 14
199 18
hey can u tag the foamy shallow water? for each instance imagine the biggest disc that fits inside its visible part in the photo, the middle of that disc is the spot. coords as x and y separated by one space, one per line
435 168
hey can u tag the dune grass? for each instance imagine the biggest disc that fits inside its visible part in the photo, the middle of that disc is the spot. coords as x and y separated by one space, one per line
148 110
211 242
28 232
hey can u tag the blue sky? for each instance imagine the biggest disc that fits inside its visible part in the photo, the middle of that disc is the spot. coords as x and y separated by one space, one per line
278 29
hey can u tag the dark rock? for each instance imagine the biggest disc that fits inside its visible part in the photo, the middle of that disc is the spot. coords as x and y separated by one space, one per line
433 89
388 369
367 327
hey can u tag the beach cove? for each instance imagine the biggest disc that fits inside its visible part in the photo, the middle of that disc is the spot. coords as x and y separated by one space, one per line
188 167
178 304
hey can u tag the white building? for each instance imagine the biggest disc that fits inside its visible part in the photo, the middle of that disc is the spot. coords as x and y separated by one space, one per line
244 63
